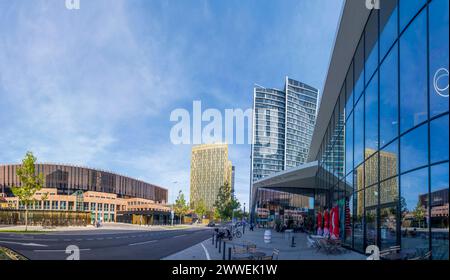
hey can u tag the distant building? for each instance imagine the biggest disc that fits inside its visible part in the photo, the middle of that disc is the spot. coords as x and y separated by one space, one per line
106 195
210 169
367 176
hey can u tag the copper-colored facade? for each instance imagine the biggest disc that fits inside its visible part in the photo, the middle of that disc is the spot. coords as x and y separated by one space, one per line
67 179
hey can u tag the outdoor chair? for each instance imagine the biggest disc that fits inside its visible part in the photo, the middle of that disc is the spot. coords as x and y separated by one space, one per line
312 242
252 249
330 245
322 244
275 254
239 250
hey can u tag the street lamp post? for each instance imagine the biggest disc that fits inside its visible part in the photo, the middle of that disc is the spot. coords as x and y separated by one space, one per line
171 215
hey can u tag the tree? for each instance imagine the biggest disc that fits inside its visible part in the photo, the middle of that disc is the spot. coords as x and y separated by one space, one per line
403 205
30 183
239 214
215 214
200 208
180 208
419 213
225 202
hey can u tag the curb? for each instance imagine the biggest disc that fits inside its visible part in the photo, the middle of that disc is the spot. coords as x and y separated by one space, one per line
12 254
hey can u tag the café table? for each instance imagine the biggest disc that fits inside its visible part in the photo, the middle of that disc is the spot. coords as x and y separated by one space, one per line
258 255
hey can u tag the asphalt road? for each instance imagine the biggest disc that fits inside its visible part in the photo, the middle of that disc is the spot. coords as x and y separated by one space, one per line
105 245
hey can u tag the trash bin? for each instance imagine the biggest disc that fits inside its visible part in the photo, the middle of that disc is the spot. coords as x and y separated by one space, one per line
268 236
288 234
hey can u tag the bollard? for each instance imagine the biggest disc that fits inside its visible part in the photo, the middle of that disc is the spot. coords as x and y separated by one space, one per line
243 229
293 242
217 241
224 250
220 244
229 253
212 240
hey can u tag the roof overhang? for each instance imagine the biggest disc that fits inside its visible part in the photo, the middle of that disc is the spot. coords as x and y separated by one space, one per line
300 180
303 176
353 18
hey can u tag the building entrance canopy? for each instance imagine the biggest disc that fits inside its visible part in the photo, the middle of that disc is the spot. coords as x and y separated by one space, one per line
301 180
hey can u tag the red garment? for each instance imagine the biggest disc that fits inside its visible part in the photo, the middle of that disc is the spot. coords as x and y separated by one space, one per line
330 227
335 222
326 220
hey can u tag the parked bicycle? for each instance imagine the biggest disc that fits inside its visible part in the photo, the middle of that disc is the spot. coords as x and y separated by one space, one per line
237 233
227 233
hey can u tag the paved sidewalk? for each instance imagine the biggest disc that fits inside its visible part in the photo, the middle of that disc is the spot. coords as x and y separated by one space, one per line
279 241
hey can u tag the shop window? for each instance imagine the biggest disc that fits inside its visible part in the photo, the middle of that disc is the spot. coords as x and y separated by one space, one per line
414 148
388 25
413 74
439 211
413 203
389 97
439 136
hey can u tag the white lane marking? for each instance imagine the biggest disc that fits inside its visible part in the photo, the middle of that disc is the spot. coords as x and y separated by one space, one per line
206 252
24 244
29 239
44 251
179 236
140 243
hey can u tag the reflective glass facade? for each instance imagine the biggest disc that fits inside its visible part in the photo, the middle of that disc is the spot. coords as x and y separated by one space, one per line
283 124
301 110
268 132
393 143
69 179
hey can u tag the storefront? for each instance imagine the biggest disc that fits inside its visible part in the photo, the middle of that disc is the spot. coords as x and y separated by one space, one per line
379 158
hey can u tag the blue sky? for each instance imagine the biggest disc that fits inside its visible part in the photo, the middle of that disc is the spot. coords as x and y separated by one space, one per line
96 86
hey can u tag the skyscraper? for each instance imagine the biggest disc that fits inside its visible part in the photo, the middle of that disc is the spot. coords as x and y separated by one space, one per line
283 124
210 169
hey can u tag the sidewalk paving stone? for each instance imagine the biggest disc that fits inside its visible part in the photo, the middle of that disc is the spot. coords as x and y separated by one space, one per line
279 241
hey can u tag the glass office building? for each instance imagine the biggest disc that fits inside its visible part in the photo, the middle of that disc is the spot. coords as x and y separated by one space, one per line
269 108
379 152
301 110
395 107
283 126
